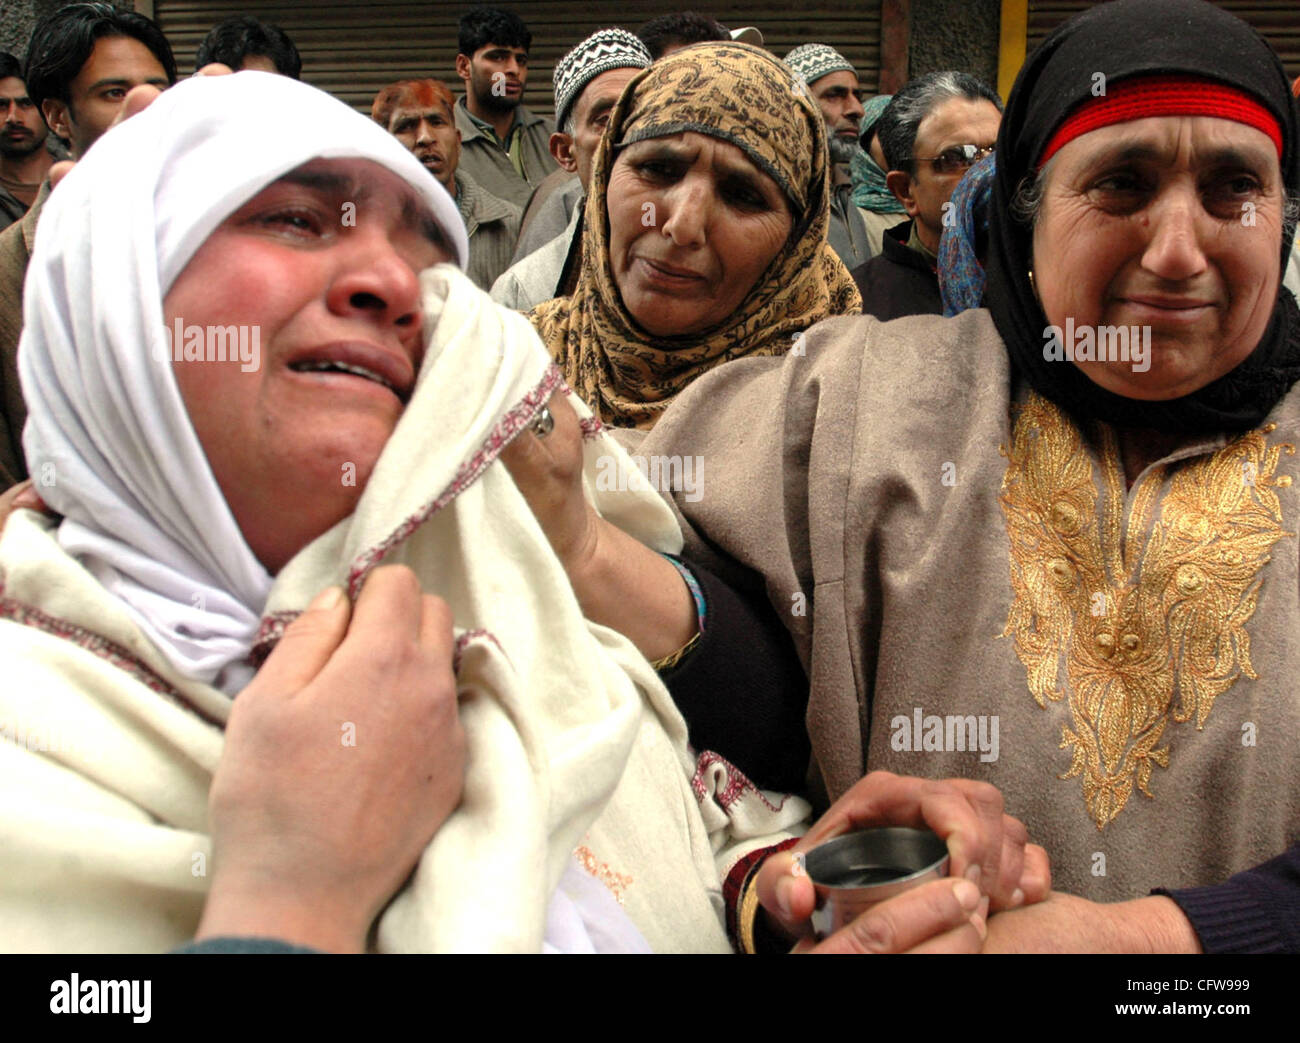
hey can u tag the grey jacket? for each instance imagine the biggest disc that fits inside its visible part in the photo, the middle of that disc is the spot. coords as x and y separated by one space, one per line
489 164
492 225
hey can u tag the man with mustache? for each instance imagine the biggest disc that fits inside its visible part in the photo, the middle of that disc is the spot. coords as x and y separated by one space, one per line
833 84
24 161
507 148
588 82
419 113
932 131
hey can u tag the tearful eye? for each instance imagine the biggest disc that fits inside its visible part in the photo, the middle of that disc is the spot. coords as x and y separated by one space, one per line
745 196
301 223
657 170
1121 193
1227 197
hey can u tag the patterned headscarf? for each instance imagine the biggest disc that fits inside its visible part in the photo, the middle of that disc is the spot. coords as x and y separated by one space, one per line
961 272
744 96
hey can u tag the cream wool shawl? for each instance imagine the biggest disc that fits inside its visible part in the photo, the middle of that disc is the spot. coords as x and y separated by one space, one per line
573 741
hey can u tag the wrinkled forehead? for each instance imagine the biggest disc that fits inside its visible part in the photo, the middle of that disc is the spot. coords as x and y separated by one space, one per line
740 95
419 110
958 121
363 183
835 84
604 89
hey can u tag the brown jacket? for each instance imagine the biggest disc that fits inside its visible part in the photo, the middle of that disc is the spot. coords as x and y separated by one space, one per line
15 250
939 567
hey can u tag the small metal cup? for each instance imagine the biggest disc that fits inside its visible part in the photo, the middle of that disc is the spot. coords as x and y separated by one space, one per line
855 871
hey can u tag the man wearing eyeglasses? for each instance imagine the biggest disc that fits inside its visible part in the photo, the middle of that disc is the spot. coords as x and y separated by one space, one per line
936 128
833 84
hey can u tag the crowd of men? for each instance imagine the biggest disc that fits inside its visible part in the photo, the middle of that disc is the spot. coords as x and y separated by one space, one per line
519 179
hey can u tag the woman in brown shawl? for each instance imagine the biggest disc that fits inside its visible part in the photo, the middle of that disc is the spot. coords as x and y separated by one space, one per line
706 233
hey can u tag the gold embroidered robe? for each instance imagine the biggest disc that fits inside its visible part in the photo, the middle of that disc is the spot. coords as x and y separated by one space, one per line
974 592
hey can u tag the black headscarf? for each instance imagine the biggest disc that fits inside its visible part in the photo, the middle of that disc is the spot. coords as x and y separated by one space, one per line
1123 39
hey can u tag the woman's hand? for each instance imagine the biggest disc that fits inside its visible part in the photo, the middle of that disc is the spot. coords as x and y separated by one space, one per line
986 847
548 471
620 583
342 758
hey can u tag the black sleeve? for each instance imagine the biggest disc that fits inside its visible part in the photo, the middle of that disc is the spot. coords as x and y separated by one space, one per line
1255 911
241 945
743 690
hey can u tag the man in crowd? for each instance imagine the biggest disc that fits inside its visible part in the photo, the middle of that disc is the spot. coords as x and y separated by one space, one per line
672 32
877 205
243 42
419 114
833 84
933 131
81 62
24 160
506 148
588 81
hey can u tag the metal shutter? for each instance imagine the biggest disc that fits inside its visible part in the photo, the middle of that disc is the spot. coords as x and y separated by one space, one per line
1278 21
353 49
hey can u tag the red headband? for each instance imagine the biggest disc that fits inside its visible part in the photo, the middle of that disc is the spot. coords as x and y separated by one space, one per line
1163 96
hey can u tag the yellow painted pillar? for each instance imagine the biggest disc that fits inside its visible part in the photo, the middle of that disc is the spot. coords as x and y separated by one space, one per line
1011 43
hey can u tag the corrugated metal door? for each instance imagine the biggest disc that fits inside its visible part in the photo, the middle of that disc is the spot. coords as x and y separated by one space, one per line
1278 21
353 48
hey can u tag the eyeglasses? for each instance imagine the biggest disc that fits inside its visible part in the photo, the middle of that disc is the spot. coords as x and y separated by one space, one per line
959 157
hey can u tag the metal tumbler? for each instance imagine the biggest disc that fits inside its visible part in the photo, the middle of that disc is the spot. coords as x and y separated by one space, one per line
855 871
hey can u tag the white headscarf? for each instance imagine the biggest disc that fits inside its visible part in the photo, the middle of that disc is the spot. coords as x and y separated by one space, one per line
108 439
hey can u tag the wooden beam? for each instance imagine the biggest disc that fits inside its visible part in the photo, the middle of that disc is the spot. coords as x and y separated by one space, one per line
1011 43
895 44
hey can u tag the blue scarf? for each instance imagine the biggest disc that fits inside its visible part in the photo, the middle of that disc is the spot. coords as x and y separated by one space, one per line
961 275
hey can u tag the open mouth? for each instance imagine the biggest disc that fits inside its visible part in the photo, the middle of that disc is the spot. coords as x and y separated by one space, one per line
350 369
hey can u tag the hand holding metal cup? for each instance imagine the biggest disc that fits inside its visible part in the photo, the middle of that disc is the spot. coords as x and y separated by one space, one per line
974 860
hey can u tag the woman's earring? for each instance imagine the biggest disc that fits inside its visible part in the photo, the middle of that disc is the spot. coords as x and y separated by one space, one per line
1031 282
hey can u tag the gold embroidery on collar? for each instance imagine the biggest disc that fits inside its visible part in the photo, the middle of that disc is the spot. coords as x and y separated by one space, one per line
1151 625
